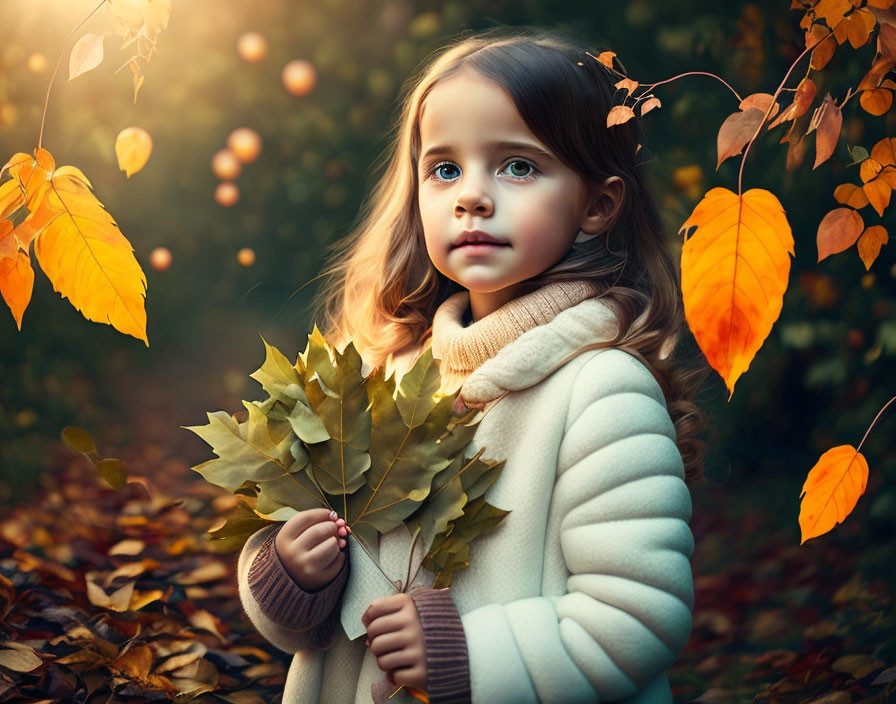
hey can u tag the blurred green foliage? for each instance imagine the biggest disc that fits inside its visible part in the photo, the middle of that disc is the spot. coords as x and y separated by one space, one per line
819 380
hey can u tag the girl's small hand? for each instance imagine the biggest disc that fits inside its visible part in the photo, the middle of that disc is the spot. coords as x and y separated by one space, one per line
395 637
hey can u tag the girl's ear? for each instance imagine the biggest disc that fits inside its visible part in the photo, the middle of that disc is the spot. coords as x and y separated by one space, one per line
604 206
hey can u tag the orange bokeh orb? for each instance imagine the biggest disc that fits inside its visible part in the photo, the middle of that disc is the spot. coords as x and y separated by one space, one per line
37 63
227 194
246 256
226 165
245 144
252 47
299 77
160 258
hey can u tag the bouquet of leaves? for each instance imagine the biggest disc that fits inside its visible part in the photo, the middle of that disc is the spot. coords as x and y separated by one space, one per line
381 456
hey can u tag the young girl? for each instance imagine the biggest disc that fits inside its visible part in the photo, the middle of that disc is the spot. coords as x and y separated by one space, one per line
561 331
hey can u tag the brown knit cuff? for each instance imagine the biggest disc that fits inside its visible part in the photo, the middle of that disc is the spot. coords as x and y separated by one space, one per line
286 603
445 645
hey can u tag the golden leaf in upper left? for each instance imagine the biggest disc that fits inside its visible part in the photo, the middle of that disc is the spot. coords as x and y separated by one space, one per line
76 241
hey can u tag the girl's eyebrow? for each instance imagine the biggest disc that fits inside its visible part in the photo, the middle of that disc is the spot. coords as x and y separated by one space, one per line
499 143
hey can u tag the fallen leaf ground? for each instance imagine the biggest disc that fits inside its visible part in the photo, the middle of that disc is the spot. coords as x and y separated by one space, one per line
112 596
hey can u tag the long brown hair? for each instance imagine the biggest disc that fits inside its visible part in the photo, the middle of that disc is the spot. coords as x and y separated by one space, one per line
381 290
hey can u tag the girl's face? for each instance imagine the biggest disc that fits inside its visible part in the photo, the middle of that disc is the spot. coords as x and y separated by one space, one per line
482 169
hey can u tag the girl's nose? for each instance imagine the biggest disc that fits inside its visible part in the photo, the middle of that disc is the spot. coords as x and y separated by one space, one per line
473 199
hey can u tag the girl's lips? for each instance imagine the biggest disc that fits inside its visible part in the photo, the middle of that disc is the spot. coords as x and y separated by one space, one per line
480 247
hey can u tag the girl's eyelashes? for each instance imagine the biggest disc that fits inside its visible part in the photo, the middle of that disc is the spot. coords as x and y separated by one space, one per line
529 176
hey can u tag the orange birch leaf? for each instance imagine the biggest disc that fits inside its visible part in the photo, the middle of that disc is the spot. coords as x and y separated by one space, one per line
851 195
829 120
760 101
838 230
869 169
878 193
886 40
619 114
825 44
875 74
16 274
734 271
884 153
87 54
802 101
626 84
737 129
132 149
876 101
859 26
606 58
649 105
80 247
831 490
832 11
870 242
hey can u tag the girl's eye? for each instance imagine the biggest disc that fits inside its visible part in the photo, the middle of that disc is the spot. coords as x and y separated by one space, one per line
524 163
513 171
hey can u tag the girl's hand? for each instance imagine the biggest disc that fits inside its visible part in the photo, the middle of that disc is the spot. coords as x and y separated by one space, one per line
395 637
311 547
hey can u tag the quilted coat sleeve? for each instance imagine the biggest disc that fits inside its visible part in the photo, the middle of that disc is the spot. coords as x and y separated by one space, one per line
288 616
623 510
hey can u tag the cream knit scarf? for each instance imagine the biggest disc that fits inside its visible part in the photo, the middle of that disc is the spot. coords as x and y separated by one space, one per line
462 349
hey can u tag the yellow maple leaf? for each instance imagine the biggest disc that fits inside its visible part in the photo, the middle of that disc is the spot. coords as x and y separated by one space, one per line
734 271
78 244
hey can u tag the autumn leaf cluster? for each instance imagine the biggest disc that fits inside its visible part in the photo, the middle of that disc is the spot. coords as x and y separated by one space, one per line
382 455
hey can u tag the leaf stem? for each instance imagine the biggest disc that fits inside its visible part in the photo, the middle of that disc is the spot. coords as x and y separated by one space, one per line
651 86
768 110
53 77
875 421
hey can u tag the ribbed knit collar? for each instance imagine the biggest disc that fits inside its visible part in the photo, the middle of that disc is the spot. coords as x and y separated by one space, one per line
464 349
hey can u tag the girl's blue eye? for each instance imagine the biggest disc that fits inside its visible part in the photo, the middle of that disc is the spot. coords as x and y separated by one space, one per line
449 164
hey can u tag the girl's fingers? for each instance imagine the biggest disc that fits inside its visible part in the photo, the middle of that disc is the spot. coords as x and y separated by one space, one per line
324 554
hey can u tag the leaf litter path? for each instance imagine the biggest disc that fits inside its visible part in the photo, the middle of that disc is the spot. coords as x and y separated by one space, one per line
112 596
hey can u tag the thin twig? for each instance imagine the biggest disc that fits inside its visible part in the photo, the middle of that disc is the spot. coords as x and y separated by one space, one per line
59 61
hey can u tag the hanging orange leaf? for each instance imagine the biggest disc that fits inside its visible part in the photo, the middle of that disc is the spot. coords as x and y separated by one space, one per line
824 44
649 105
87 54
870 242
857 28
737 129
79 245
884 154
606 58
760 101
802 101
619 114
878 193
132 148
16 274
838 230
876 101
831 490
828 120
734 271
626 84
851 195
886 47
832 11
